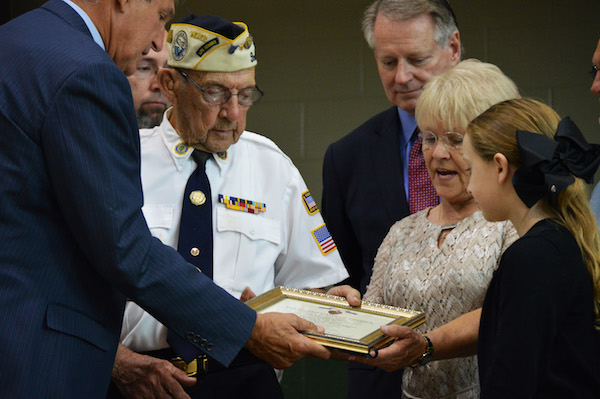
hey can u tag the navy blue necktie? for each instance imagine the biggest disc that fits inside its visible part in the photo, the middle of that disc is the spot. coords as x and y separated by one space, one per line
195 238
195 231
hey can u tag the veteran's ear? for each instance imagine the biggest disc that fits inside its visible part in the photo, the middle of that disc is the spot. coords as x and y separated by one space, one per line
166 80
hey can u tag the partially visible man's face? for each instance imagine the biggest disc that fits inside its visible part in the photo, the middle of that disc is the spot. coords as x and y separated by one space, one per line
207 127
595 89
407 56
139 27
149 102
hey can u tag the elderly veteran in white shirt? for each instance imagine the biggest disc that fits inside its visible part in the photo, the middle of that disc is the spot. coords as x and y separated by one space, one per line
266 228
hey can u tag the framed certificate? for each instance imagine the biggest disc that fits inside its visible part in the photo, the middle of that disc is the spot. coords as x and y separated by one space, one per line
348 328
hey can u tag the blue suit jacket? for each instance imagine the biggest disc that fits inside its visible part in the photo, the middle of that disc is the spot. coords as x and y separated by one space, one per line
73 240
363 192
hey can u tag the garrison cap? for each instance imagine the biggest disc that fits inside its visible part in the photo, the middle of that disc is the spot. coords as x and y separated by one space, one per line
210 43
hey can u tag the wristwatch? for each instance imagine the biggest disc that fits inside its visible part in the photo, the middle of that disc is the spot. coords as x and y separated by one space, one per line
427 355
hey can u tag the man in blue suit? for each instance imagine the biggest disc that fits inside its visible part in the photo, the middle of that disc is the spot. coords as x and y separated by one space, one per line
74 243
366 188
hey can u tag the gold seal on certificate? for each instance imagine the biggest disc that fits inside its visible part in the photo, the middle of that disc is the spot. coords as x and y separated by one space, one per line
348 328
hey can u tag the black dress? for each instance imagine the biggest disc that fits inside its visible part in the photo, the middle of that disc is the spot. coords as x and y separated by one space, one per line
537 336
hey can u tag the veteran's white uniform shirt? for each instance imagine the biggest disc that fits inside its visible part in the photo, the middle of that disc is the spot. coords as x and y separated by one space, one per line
261 250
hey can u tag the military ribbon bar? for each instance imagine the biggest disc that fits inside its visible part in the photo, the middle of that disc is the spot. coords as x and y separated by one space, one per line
243 205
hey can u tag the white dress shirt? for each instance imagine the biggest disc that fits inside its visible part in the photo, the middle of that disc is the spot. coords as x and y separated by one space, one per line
260 250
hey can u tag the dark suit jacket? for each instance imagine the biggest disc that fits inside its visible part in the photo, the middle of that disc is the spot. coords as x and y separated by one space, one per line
73 240
363 196
363 192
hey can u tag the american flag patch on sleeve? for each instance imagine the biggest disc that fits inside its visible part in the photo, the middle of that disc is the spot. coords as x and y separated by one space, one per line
309 203
323 239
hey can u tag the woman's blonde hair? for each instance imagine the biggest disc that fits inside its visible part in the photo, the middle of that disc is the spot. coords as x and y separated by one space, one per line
454 98
494 132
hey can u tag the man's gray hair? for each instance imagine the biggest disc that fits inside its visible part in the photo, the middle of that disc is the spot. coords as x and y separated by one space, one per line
400 10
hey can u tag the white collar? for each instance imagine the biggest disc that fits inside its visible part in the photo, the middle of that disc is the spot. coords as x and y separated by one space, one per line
88 22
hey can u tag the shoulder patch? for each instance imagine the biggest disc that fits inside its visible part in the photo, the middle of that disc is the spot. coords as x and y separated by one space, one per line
323 239
309 203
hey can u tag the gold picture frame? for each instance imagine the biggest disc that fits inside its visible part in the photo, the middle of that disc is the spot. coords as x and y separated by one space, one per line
347 328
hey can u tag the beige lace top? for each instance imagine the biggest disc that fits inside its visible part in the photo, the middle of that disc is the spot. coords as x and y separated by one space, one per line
410 271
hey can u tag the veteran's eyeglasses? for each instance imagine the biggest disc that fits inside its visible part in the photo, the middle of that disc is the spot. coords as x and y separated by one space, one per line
218 95
452 140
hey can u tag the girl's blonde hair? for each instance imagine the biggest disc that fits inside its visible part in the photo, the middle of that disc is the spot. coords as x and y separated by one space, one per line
494 132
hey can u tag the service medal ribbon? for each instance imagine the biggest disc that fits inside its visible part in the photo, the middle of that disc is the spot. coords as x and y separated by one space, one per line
243 205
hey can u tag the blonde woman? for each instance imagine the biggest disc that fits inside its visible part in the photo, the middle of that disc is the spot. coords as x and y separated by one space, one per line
440 260
539 333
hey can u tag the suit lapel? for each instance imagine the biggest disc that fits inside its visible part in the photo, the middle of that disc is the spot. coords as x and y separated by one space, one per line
385 153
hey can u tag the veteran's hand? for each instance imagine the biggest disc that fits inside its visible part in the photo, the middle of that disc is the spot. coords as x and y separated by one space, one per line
247 294
405 351
139 376
276 339
352 295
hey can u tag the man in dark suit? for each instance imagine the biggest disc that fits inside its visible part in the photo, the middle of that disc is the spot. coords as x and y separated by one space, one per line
365 174
74 242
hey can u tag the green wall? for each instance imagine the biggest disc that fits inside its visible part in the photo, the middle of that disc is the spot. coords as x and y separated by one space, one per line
321 81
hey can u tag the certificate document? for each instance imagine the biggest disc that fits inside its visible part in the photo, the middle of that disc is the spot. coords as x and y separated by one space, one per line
347 323
353 329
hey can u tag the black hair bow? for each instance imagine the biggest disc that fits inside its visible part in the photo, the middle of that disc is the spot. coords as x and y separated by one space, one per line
547 165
